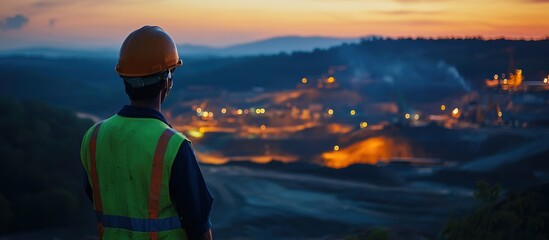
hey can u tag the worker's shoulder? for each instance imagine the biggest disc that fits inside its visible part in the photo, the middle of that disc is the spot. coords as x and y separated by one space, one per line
88 133
90 130
178 135
99 124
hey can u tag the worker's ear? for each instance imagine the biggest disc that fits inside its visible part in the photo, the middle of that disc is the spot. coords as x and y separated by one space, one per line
166 87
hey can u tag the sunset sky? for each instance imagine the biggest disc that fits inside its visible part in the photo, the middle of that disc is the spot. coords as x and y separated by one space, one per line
105 23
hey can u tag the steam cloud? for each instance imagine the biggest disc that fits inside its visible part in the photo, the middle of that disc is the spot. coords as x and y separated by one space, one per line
409 75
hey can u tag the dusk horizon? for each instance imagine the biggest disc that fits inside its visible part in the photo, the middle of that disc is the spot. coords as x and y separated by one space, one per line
77 24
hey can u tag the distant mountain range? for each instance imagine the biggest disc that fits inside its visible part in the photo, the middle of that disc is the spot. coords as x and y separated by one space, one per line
263 47
55 52
266 47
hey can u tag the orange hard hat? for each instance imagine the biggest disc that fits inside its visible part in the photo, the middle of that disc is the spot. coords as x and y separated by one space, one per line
147 51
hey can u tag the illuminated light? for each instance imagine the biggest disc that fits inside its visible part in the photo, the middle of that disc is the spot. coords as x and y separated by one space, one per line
416 116
223 110
210 114
500 114
371 151
204 114
407 116
545 80
239 111
353 112
456 113
263 127
246 111
331 80
199 110
442 107
330 111
505 81
194 133
258 111
496 77
363 124
304 80
336 148
202 129
263 110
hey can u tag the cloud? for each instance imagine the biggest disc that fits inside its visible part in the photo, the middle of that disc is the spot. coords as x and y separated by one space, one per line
15 22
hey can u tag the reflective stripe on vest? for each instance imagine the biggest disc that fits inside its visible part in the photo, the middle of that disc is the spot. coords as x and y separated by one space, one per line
139 224
153 224
95 181
156 178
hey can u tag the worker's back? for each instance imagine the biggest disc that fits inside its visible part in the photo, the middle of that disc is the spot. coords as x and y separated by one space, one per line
133 159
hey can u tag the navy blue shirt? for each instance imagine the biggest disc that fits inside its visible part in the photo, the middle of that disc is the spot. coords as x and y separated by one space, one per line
188 190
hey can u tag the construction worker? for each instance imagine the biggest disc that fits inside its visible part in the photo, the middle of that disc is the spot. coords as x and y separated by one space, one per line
142 175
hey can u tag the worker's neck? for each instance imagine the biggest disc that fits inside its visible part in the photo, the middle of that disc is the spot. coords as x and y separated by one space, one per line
152 104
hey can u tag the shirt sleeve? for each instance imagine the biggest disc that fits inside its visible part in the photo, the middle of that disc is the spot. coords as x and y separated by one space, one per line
86 184
189 193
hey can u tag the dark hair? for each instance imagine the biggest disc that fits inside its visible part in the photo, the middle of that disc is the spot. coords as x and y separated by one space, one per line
143 93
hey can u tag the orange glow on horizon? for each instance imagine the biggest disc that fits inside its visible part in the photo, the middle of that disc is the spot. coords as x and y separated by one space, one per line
216 158
335 128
